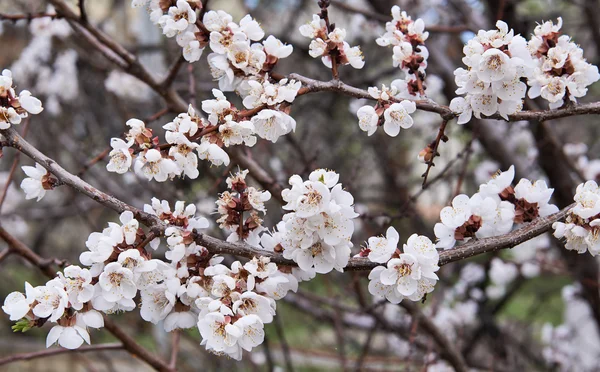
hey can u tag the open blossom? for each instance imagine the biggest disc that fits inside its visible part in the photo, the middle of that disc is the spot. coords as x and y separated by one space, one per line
70 337
117 283
271 124
120 156
381 249
212 152
178 19
52 300
39 180
411 275
368 119
17 305
331 44
397 116
14 108
152 165
78 285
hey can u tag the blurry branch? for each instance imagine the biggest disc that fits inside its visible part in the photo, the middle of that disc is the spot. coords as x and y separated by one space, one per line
129 343
446 346
312 85
28 17
385 18
13 167
52 352
216 246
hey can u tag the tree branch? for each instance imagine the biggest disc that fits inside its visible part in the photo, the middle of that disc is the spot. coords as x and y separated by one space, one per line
53 352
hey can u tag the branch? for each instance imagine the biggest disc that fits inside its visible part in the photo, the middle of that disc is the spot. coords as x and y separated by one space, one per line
216 246
312 85
447 348
52 352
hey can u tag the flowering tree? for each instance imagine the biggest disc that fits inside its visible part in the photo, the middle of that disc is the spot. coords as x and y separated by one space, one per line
428 288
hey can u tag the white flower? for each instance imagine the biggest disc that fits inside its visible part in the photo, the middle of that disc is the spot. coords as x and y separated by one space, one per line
33 185
587 197
234 133
253 303
17 305
397 116
494 65
380 248
180 320
274 47
78 286
212 152
152 165
367 119
157 303
219 335
137 128
183 152
312 29
461 106
498 183
178 19
377 288
52 300
117 283
120 156
191 46
8 116
538 193
272 124
30 103
403 272
253 333
71 337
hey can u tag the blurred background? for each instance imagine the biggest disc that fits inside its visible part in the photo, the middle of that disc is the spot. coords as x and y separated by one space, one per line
535 307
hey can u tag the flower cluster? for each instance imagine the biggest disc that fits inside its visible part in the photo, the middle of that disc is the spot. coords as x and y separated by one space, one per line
493 210
13 107
319 228
329 44
408 274
235 60
580 229
232 205
496 61
229 305
178 19
561 73
393 114
274 99
407 37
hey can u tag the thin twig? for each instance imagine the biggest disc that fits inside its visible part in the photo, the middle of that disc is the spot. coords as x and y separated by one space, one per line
175 340
52 352
434 149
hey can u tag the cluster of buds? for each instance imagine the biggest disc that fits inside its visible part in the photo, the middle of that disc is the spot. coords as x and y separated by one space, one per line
242 199
13 107
410 54
328 42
